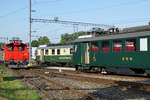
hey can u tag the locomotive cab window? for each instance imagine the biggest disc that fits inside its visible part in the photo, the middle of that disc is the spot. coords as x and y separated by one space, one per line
10 48
94 47
21 48
105 46
117 46
58 51
131 45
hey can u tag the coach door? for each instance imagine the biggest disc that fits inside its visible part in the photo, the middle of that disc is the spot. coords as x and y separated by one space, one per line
42 55
87 61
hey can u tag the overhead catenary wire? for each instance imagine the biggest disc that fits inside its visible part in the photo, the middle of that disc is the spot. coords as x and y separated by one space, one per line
54 1
26 7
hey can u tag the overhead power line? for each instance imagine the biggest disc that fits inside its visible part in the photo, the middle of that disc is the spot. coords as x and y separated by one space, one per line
134 20
13 12
24 8
71 23
46 1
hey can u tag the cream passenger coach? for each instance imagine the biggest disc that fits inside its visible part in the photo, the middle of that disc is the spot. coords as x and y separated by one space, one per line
55 54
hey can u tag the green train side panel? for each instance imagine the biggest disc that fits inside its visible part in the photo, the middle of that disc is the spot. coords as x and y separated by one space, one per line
77 59
61 59
137 59
37 58
124 59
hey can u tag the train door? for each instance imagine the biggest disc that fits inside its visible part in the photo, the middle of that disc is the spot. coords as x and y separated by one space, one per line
87 58
41 55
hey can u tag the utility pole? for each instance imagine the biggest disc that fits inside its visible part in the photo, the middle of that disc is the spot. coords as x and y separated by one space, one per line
30 29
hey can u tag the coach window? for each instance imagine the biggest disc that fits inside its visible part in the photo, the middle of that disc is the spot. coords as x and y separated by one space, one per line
131 45
143 44
71 50
58 51
105 46
53 51
46 52
117 46
21 48
10 48
94 47
36 52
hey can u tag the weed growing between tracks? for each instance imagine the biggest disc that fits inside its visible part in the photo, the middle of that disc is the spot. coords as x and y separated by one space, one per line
13 89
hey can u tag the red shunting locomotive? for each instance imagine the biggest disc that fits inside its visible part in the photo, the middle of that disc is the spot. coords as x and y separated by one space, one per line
16 54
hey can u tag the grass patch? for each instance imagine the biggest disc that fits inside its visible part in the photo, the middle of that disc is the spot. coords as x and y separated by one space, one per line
13 89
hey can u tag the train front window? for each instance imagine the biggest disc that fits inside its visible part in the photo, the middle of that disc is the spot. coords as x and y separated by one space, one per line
94 47
21 48
131 45
10 48
105 46
117 46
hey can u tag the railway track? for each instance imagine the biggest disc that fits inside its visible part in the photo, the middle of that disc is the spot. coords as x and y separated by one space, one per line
38 77
32 74
142 83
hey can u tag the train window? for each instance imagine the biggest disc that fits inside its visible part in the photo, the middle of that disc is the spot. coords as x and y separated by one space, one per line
36 52
131 45
53 51
94 47
117 46
46 52
58 51
21 48
64 50
105 46
75 48
143 44
10 48
71 51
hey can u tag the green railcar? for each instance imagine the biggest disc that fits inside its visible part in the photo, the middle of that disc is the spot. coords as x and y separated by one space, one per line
120 52
55 55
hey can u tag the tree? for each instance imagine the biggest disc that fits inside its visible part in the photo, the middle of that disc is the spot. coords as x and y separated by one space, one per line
43 40
35 43
67 38
2 45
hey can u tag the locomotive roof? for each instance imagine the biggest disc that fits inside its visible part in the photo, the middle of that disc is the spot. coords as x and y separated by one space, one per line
16 43
59 46
115 36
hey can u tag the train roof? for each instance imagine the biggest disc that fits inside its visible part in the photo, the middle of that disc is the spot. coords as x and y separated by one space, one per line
115 36
58 46
16 43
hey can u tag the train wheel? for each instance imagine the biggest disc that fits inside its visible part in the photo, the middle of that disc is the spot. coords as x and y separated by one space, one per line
104 71
76 68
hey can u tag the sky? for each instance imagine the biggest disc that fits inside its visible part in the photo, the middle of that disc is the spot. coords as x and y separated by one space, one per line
14 16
